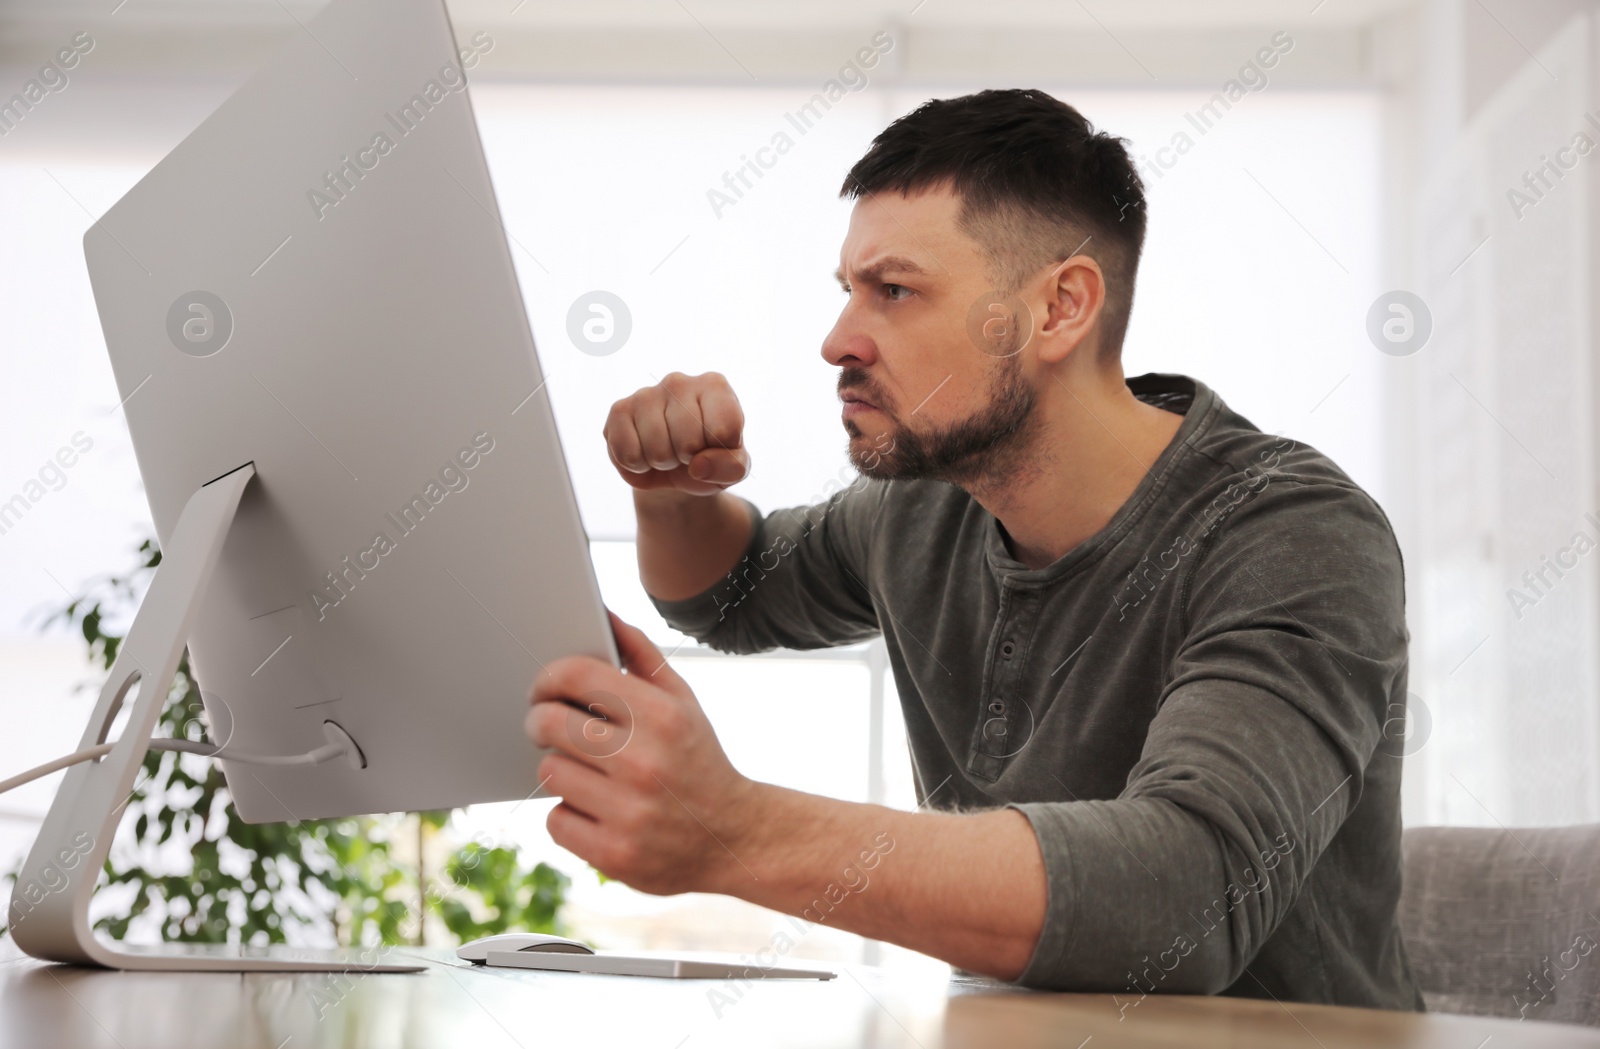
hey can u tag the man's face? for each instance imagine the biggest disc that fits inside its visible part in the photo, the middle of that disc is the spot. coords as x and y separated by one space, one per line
932 374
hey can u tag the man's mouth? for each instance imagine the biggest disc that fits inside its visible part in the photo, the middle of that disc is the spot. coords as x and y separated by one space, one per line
855 404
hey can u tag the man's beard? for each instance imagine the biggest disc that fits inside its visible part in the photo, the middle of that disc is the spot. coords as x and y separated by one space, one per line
984 448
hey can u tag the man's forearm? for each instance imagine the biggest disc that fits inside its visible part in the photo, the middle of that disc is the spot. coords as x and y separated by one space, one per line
968 889
688 542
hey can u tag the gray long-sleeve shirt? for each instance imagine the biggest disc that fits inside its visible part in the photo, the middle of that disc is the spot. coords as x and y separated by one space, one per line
1190 707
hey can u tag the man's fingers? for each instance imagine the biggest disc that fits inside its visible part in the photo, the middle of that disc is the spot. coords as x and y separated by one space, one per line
588 735
720 466
574 831
678 479
683 426
622 442
577 785
660 436
643 660
721 417
650 418
577 708
586 682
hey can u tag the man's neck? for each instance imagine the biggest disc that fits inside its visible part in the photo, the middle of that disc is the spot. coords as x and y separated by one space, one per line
1093 444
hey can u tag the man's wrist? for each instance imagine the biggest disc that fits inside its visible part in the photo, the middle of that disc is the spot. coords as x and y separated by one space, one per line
663 502
753 836
783 845
687 543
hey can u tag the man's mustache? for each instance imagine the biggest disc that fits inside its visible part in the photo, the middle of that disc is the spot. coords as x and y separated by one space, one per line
858 380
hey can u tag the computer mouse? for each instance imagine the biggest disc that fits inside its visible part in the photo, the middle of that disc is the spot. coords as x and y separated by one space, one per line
477 951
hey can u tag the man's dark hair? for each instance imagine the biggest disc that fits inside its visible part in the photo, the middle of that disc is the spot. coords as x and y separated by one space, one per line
1037 183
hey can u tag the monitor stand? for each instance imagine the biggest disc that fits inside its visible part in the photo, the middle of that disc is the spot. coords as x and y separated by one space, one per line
50 901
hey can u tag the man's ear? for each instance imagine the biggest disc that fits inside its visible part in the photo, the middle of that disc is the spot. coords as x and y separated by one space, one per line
1074 296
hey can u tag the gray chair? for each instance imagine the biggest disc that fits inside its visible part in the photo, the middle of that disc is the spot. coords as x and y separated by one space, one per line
1505 922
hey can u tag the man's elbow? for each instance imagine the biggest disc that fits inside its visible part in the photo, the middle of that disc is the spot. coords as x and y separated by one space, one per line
728 636
1214 977
1183 965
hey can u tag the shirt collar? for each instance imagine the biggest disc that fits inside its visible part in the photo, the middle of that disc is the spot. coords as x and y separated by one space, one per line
1171 392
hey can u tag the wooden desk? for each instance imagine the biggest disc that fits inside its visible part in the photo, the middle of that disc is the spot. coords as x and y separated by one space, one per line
46 1006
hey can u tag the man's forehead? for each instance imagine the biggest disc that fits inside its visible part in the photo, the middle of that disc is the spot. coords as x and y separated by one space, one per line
890 259
916 233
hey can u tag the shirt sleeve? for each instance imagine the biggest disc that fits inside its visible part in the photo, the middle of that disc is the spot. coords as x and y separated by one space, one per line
801 584
1294 648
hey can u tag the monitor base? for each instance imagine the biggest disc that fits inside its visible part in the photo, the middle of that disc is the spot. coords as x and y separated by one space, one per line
215 957
49 914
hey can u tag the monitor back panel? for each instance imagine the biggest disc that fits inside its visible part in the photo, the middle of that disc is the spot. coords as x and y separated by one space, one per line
317 281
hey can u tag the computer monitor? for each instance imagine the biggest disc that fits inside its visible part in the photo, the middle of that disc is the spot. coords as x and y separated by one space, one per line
368 530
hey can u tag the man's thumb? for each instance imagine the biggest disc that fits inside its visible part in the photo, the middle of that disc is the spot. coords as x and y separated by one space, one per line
724 466
642 659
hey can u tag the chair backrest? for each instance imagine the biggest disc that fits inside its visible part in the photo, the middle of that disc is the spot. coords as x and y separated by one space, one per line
1505 922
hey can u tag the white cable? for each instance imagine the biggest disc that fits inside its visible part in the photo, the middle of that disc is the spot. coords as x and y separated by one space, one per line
310 757
314 757
54 766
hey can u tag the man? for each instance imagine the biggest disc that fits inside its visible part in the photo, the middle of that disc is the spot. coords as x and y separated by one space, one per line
1146 653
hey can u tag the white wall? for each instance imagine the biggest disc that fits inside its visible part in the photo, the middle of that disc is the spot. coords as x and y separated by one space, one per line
1495 420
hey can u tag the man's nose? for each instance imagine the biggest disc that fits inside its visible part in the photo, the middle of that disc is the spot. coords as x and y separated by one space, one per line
847 344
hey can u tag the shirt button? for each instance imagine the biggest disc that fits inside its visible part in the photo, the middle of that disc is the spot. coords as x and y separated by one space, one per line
997 707
1008 650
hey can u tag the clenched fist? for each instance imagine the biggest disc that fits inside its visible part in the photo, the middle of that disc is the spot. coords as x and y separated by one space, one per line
684 433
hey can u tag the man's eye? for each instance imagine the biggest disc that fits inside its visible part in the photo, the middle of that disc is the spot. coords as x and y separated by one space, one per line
896 292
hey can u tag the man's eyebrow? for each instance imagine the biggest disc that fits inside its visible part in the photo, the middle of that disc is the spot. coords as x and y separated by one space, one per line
878 268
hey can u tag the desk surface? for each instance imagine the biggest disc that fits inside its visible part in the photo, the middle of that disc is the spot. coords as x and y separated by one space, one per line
45 1006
